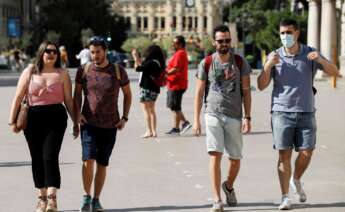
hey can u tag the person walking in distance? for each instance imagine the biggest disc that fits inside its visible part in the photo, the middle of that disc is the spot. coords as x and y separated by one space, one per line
292 68
177 84
224 79
100 82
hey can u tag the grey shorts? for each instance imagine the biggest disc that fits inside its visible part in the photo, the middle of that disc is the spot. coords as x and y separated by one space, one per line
293 130
223 132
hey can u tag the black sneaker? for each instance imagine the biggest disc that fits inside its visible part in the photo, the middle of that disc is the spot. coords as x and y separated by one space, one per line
173 131
185 127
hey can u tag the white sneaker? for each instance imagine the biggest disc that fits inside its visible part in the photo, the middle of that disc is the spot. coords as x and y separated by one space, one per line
285 204
296 186
217 207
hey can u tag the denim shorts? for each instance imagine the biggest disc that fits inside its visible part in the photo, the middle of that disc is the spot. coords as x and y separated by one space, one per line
223 132
293 130
97 143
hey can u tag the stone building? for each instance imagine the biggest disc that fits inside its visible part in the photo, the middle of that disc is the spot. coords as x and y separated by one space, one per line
169 17
326 29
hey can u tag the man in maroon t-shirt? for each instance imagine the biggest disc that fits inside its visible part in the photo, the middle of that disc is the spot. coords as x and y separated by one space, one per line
100 81
177 83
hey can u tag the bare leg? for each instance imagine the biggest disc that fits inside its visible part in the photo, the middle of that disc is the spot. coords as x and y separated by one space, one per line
215 174
153 119
146 108
234 169
99 180
87 172
301 163
284 170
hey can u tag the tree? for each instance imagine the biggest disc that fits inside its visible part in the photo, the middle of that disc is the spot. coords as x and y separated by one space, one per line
69 18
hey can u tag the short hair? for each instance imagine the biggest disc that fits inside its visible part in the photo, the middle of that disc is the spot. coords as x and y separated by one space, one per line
289 22
220 28
181 40
98 41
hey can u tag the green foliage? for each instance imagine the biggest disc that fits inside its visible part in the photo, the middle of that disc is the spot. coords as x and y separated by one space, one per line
207 44
69 18
140 43
260 21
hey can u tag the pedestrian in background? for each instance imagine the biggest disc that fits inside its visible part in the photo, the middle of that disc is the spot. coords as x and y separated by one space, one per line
292 68
151 70
64 56
46 86
177 84
84 56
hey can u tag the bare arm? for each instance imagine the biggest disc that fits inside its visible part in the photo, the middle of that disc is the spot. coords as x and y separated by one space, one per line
247 103
199 93
328 68
67 87
172 71
264 78
77 101
127 101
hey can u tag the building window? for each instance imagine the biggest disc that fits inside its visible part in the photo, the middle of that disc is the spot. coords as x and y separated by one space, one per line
145 23
205 22
183 22
128 21
155 23
138 23
174 22
162 22
190 23
195 22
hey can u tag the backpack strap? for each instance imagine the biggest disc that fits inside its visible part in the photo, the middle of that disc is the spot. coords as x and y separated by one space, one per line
208 62
117 71
86 69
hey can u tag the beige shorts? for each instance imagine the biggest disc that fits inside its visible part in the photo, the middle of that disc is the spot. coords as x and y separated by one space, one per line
223 132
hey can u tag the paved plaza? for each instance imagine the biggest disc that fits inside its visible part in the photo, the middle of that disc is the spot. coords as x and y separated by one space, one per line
171 173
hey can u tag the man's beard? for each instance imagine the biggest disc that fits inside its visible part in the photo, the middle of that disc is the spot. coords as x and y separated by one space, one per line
99 62
223 50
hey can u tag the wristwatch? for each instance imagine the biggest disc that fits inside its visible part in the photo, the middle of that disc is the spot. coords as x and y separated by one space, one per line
248 118
124 118
10 123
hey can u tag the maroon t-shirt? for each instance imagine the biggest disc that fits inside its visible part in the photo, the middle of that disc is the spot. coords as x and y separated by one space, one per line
101 91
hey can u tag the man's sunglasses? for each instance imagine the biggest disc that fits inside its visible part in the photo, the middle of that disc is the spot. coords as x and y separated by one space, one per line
223 40
49 51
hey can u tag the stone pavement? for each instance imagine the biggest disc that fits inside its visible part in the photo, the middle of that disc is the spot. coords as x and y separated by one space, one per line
171 173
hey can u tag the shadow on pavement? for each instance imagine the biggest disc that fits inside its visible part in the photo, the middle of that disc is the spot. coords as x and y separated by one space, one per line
21 163
320 205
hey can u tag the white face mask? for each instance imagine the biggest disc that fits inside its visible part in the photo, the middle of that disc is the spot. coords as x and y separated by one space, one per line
288 40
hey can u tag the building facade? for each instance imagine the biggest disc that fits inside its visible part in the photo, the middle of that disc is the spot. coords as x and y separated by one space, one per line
326 29
170 17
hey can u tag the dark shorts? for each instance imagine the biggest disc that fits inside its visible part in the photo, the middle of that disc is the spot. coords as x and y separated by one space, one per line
97 143
147 95
174 99
293 130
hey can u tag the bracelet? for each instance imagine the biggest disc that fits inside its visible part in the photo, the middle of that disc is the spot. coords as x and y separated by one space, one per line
247 118
124 118
10 123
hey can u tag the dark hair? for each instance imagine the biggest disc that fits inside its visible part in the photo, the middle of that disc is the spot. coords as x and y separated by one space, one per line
181 40
98 41
220 28
39 56
289 22
154 52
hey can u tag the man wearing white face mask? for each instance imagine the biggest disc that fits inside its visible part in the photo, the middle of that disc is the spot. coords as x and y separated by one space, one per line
292 68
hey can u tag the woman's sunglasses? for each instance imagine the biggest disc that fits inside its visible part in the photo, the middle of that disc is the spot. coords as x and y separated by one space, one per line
49 51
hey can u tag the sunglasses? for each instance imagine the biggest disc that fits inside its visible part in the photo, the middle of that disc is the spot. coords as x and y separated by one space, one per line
224 40
286 32
49 51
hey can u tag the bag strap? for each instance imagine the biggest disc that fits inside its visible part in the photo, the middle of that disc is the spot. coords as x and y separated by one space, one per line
117 71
